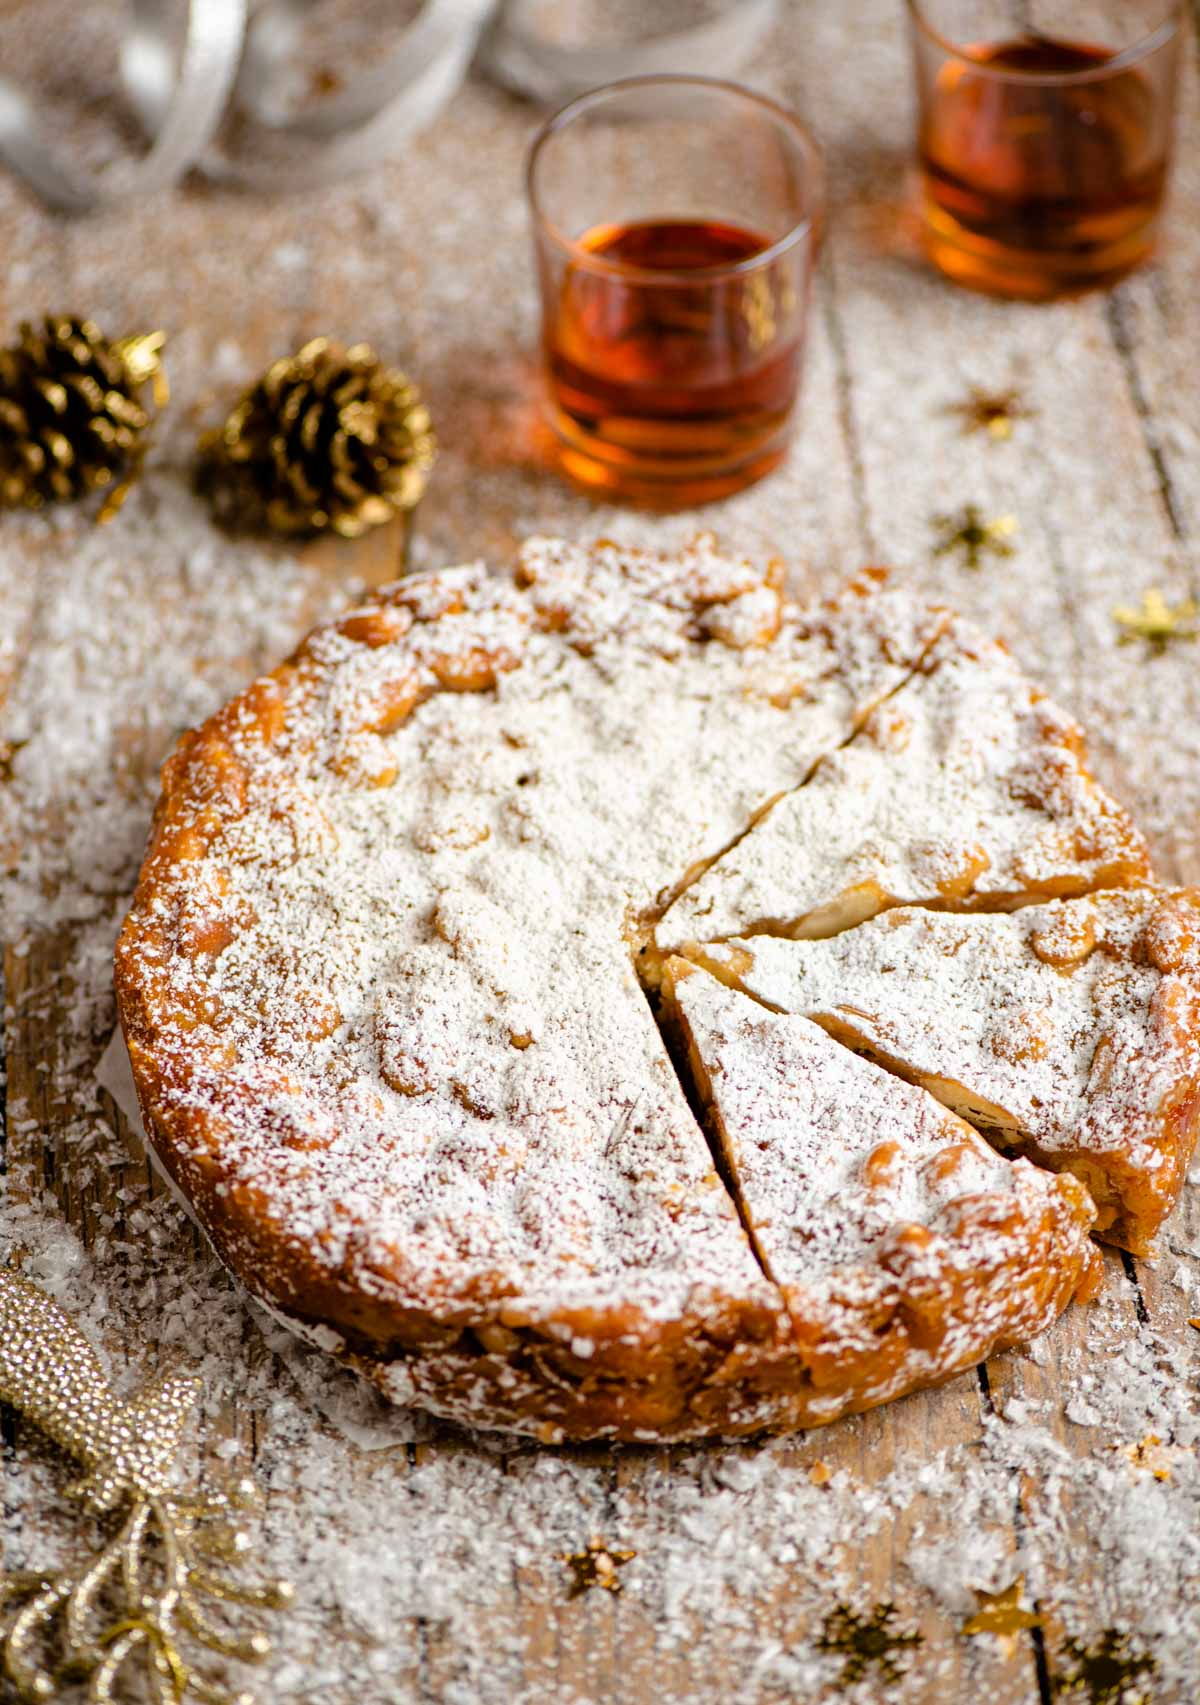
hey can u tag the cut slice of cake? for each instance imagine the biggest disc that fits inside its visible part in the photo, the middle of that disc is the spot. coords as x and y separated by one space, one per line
967 787
906 1249
1068 1032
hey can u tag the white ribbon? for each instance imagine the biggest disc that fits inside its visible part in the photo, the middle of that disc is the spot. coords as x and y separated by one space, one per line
230 57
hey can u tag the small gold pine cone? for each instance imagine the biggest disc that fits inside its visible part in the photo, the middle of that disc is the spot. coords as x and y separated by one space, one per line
72 418
328 439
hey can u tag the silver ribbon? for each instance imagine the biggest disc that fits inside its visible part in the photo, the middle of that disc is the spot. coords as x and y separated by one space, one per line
230 58
365 122
187 104
517 54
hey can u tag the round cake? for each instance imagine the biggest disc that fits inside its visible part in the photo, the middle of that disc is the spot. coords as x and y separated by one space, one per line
441 996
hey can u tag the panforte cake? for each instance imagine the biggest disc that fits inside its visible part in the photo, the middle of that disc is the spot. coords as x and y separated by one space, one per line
400 1000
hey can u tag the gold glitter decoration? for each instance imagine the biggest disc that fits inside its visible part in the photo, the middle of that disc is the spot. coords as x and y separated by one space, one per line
596 1566
973 537
1102 1673
1002 1614
993 412
72 418
866 1642
1156 1457
1156 622
328 440
156 1585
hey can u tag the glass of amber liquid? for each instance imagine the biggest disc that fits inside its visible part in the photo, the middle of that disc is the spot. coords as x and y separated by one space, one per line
1044 134
674 224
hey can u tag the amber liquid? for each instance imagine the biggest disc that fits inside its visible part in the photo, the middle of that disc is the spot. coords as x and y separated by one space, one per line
1038 189
674 390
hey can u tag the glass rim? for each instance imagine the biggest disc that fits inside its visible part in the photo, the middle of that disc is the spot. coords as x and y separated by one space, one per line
1137 50
587 258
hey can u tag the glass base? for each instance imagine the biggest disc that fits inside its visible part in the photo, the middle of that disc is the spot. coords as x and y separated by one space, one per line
656 482
1031 275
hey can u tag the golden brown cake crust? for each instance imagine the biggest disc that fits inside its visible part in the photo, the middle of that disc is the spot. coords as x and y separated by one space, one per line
378 991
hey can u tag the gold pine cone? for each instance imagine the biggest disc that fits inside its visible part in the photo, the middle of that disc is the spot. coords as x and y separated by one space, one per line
328 439
72 418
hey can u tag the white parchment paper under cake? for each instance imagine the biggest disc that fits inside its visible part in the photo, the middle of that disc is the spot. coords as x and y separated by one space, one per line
346 1401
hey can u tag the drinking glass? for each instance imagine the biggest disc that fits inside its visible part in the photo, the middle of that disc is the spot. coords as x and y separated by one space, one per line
674 223
1044 133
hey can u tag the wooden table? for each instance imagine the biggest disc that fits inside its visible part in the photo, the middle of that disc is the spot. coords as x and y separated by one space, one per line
429 1569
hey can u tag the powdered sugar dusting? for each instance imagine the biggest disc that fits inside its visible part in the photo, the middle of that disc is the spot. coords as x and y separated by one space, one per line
379 979
1069 1029
903 1244
967 786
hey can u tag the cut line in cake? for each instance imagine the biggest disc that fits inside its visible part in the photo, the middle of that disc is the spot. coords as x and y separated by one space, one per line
905 1247
966 788
384 979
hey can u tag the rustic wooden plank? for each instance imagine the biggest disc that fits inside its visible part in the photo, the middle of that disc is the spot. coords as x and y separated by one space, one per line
409 258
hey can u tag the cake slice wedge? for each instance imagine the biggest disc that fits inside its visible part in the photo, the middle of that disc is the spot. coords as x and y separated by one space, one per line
965 788
905 1248
1069 1032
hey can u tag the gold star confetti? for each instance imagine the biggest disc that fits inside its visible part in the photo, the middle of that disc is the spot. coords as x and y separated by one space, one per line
1102 1673
1156 622
993 412
8 751
1194 1320
973 537
146 1597
866 1642
1002 1614
596 1566
820 1474
1153 1455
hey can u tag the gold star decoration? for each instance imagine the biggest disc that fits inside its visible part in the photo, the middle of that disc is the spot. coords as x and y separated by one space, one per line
1156 622
8 751
993 412
1156 1457
160 1586
866 1642
969 534
1102 1673
596 1566
1002 1614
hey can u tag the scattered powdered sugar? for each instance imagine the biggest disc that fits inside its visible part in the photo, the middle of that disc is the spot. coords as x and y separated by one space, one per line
430 1570
404 1555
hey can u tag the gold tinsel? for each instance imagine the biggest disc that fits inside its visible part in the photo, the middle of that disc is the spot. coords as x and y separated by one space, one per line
328 439
72 418
969 535
1003 1615
160 1591
866 1643
596 1566
1156 621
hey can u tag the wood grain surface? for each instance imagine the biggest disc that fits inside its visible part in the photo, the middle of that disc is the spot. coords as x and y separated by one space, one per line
427 258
